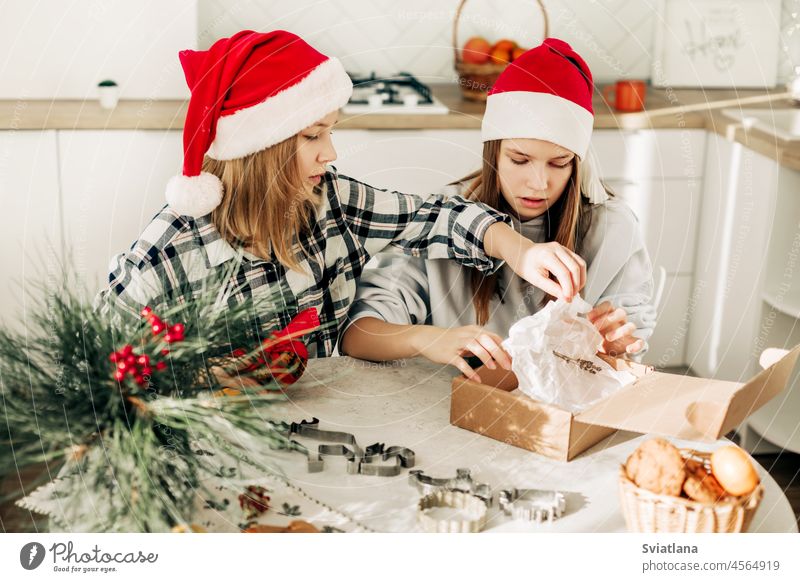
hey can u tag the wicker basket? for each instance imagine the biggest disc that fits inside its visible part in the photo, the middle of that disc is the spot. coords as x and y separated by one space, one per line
649 512
476 80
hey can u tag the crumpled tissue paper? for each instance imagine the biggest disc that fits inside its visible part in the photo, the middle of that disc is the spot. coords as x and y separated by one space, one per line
554 357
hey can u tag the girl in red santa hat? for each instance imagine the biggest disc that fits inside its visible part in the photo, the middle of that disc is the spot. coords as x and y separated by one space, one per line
536 167
256 188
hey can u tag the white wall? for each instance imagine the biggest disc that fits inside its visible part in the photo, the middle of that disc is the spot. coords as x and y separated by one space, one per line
61 49
387 36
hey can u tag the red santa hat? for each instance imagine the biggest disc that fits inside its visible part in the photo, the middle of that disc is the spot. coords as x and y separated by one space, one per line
546 93
249 92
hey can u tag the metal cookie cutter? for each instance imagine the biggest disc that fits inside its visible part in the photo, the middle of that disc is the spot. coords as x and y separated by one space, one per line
359 461
532 504
473 506
461 482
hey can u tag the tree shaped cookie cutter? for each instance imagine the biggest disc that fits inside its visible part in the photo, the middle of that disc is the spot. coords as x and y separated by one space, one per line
359 461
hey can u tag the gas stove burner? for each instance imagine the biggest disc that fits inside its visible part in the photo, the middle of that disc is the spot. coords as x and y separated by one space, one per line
397 94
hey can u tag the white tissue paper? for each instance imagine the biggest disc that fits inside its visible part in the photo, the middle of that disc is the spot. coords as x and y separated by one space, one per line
559 328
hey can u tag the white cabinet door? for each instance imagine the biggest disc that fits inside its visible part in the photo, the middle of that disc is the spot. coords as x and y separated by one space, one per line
410 161
668 214
31 238
113 182
668 342
659 153
739 194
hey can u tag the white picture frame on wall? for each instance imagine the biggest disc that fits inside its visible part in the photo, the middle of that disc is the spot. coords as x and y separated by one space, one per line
716 43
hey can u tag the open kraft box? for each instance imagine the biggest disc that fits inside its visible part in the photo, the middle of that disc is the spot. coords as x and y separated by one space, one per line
655 403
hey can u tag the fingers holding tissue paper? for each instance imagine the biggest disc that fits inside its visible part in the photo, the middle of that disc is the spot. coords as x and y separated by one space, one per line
617 332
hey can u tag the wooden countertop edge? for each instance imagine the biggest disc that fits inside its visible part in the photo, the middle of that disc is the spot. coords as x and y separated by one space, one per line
170 114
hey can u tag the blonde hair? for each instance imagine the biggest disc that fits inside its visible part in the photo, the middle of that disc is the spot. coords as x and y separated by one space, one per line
569 218
265 205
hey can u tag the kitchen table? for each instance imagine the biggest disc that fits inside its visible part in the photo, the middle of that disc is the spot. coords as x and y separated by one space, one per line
408 403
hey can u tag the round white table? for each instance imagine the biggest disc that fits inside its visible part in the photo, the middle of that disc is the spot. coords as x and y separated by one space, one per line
408 403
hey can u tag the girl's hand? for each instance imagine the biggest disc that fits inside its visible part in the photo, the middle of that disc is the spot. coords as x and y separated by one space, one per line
536 262
451 346
617 332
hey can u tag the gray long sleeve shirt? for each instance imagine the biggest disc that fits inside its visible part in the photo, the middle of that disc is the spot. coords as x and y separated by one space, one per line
408 290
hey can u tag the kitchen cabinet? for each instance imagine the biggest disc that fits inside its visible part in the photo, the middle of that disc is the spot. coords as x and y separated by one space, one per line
658 173
31 237
112 184
739 206
776 423
411 161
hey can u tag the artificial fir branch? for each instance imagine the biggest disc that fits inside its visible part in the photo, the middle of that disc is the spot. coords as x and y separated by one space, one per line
131 439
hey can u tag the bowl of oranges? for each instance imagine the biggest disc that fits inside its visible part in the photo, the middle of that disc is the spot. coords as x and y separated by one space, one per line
479 62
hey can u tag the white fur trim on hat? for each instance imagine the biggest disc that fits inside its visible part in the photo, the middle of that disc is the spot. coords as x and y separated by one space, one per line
250 130
525 114
194 196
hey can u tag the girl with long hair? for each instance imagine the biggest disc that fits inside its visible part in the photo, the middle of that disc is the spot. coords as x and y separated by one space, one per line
536 167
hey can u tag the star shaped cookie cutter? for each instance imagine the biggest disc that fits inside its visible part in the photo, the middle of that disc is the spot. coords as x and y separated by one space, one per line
537 505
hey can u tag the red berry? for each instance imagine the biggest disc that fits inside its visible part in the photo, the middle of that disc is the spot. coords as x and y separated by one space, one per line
143 360
122 366
114 357
146 371
146 311
119 375
160 366
127 350
164 352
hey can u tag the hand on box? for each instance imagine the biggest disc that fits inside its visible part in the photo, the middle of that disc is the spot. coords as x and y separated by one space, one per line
452 346
617 332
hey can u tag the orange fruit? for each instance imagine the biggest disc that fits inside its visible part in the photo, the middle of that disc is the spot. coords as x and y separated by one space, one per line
504 44
476 50
517 52
500 56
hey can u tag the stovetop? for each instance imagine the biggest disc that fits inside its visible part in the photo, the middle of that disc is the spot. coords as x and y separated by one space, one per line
397 94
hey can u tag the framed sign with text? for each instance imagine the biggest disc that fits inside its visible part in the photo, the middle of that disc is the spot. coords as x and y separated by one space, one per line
716 43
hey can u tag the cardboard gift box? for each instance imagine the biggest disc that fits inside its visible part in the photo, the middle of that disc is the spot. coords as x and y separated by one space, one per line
666 404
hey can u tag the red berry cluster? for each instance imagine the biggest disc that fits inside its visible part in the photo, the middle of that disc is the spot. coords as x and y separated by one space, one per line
139 366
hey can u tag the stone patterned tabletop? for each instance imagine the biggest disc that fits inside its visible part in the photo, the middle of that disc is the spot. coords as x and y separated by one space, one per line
407 403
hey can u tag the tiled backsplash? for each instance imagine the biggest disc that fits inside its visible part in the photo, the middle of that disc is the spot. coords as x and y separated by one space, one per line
387 36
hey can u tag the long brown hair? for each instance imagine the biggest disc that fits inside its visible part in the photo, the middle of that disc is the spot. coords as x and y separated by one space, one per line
566 222
265 206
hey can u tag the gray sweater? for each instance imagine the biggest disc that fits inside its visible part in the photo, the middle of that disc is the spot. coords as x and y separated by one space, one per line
409 290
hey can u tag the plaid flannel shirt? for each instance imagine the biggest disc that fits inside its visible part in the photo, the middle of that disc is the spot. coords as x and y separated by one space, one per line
175 254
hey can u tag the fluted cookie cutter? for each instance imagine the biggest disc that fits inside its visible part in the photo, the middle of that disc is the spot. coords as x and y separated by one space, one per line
461 482
537 505
449 498
359 461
